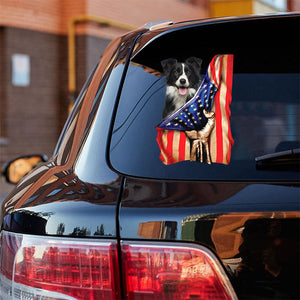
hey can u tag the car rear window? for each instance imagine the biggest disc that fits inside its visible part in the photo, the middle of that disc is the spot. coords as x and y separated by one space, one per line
246 106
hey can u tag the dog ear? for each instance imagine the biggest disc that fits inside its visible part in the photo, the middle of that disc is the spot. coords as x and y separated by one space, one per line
168 63
195 62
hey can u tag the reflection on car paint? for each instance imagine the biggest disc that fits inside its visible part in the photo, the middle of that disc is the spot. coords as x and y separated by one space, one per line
64 197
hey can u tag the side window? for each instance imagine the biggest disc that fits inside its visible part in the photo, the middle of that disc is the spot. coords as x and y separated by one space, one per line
101 73
72 118
208 111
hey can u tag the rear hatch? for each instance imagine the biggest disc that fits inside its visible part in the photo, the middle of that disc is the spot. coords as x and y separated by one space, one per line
244 206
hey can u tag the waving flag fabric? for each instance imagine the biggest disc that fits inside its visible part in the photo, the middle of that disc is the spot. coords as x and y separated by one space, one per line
190 116
214 94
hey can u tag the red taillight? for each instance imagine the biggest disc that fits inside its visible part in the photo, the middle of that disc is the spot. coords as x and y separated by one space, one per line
173 271
81 269
34 267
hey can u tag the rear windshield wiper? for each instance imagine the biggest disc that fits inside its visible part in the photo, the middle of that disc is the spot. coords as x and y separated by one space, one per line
287 160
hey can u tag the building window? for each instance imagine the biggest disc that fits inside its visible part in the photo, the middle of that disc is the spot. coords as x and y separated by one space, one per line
20 70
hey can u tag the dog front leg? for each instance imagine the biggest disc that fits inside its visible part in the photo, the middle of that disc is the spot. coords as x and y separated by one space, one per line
200 145
207 153
194 151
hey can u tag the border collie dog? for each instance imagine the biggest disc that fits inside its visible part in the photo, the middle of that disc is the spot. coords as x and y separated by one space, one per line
183 80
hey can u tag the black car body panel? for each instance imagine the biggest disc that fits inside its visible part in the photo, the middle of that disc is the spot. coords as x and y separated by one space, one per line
68 207
99 185
248 225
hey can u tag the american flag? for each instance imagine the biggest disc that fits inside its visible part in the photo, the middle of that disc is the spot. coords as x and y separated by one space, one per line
190 116
213 94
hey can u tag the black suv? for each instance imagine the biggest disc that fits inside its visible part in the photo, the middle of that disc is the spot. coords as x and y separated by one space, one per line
176 175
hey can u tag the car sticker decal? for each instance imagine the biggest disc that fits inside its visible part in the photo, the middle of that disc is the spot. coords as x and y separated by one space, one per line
200 129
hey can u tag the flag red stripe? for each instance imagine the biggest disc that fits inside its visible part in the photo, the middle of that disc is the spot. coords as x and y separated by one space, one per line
219 131
159 135
170 136
171 153
182 140
229 76
213 69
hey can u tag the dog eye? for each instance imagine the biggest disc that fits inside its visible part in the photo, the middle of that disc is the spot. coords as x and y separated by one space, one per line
188 73
175 73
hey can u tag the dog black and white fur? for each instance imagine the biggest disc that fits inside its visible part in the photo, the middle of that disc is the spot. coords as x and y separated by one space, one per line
183 80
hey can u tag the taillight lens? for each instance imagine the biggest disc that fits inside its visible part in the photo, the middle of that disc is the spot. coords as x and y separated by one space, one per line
173 271
58 268
35 267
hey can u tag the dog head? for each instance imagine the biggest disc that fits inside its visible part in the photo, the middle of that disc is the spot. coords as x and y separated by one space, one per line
182 75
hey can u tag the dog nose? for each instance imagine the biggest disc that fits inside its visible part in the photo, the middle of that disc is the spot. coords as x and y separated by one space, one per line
182 81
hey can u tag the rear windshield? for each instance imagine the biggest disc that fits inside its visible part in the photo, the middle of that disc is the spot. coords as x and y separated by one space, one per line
200 103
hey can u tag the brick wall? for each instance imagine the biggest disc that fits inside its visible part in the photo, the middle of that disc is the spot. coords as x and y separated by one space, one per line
52 16
137 12
2 90
32 116
34 14
32 112
90 48
294 5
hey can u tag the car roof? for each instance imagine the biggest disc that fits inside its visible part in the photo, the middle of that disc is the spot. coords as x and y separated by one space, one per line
156 43
154 29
